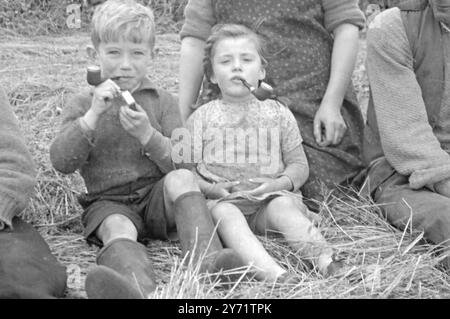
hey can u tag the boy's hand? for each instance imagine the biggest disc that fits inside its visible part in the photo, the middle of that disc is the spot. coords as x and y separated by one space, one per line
219 190
136 123
101 101
103 94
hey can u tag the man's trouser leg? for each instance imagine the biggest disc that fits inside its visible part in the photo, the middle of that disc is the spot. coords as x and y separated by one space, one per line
427 210
27 267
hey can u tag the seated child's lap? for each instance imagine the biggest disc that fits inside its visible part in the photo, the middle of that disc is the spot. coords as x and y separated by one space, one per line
252 207
143 206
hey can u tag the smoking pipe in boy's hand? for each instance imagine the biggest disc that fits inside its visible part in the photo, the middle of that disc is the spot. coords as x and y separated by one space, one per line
263 92
94 78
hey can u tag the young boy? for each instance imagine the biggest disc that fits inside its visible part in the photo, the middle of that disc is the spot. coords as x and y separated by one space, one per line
124 157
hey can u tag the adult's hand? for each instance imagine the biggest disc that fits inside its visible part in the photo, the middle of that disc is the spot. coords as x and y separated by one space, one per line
329 125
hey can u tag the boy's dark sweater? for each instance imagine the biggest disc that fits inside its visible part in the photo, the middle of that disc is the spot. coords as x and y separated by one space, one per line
109 156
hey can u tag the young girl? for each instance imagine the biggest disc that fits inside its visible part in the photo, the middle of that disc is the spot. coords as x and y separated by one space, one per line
252 163
311 50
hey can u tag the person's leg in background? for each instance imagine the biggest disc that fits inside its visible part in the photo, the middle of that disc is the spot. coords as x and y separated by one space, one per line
426 210
27 267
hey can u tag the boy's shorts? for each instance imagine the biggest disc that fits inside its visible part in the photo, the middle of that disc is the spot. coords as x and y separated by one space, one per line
142 202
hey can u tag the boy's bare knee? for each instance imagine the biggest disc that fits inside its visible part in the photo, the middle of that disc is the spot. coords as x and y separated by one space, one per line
116 226
179 182
115 220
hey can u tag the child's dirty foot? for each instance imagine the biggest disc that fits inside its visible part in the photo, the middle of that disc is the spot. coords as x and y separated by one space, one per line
227 268
288 278
336 268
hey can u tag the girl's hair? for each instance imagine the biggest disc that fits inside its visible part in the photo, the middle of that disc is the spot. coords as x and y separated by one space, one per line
117 20
226 31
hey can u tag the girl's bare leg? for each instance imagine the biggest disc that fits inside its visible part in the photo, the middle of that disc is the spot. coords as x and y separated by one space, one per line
236 234
284 215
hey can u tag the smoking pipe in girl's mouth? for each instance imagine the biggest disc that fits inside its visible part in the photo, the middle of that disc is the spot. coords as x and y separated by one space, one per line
94 78
263 92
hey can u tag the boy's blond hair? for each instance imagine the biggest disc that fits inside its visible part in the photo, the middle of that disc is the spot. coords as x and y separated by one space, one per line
116 20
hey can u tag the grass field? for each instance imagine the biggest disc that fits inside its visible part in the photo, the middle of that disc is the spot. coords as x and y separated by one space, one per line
40 73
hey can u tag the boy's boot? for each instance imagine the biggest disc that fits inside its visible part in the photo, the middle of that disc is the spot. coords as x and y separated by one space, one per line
196 231
129 268
105 283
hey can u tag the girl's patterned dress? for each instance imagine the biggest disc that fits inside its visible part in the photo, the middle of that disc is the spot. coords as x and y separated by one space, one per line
240 141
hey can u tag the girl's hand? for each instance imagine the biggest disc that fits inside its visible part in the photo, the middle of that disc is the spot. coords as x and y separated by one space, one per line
136 123
103 94
219 190
266 185
329 125
443 187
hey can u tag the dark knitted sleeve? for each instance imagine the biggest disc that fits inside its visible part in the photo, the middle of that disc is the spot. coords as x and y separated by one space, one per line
17 172
171 118
71 148
199 19
159 148
342 11
194 142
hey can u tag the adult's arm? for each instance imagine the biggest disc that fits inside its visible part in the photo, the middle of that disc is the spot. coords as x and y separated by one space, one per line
406 136
191 74
343 19
17 172
199 19
343 60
